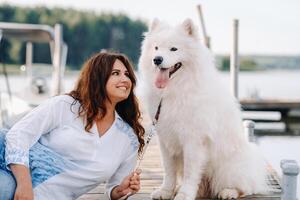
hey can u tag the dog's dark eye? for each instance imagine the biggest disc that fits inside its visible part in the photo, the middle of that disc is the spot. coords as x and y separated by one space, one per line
173 49
156 48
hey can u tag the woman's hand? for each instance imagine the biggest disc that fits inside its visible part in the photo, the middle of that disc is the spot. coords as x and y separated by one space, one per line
129 186
24 189
134 183
24 192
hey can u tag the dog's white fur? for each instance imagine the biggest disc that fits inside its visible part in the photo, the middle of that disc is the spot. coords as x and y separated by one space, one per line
200 129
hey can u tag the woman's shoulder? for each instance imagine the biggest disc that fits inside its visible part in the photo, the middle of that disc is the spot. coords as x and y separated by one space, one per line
64 98
62 102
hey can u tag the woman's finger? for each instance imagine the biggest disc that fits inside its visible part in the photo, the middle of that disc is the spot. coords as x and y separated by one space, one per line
134 183
126 191
135 177
135 188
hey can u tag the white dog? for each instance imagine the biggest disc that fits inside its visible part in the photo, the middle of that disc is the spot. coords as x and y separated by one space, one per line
200 130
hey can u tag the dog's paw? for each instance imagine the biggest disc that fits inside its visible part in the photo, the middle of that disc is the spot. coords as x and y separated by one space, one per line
162 194
183 196
228 194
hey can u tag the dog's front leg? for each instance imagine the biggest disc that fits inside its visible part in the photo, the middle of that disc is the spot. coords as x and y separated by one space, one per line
166 190
194 158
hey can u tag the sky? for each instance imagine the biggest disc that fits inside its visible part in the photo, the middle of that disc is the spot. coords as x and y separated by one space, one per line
265 26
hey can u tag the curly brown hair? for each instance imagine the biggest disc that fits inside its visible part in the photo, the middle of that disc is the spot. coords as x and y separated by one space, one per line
90 92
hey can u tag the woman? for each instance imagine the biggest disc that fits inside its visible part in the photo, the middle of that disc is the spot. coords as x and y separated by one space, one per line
71 143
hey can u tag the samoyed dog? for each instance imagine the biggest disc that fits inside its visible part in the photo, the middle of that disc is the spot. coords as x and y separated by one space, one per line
203 146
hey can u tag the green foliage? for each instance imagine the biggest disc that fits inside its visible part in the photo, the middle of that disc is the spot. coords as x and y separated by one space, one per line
225 65
248 64
85 33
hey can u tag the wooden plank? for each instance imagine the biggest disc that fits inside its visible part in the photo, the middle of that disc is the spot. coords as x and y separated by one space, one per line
152 176
269 104
147 197
271 101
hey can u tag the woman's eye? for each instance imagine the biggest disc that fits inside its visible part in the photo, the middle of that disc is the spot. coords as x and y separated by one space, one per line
127 74
115 73
173 49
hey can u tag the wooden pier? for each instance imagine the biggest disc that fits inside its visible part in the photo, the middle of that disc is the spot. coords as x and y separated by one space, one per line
152 175
289 112
282 106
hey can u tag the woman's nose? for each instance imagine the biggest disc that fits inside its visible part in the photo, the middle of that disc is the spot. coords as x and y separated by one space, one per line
125 78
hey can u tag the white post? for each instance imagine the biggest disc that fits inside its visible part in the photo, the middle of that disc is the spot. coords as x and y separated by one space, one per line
249 127
28 62
234 60
57 73
51 44
290 170
206 38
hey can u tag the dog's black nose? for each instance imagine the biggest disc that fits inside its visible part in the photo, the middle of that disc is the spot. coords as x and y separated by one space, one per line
158 60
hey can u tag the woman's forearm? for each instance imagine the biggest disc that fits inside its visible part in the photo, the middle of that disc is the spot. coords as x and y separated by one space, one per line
24 186
21 174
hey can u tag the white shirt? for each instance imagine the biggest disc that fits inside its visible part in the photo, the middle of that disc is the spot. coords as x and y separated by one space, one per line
65 160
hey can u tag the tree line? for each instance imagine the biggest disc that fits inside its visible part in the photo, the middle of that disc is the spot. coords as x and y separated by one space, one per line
85 33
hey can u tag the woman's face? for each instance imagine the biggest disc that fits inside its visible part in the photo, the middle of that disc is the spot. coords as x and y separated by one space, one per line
119 85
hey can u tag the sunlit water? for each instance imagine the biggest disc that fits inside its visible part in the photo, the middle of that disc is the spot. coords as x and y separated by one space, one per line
266 84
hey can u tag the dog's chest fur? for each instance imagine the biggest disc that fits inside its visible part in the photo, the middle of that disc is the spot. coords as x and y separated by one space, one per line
170 127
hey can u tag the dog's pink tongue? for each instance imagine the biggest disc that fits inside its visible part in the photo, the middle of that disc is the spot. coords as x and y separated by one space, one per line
162 78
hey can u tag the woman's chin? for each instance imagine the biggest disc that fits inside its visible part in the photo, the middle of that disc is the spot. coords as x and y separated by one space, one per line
121 98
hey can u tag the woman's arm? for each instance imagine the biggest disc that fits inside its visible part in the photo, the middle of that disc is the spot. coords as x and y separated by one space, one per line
24 186
26 132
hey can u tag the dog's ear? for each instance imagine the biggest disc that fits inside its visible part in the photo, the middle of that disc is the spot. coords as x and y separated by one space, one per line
189 27
154 25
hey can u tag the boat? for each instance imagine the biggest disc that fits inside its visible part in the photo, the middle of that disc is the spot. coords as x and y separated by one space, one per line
38 86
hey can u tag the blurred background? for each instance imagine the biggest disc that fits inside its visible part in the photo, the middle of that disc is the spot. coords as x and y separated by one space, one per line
268 52
269 30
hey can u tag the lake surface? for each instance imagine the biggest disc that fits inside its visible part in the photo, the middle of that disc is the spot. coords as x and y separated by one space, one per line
264 84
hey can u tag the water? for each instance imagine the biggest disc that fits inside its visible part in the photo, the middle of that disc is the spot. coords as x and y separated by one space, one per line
277 84
264 84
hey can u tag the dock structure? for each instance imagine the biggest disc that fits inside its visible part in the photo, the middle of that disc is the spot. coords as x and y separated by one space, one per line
284 107
152 176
